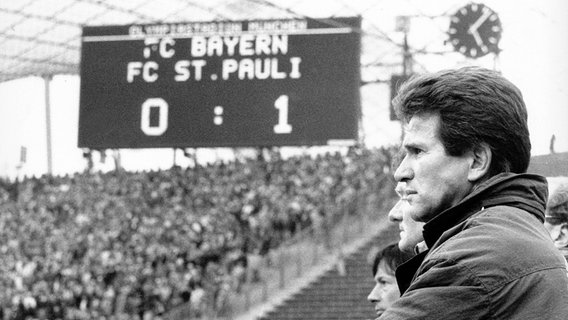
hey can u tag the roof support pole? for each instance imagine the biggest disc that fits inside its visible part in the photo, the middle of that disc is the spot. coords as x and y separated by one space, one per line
47 81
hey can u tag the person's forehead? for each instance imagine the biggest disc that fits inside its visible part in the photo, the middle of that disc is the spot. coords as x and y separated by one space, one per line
424 124
384 269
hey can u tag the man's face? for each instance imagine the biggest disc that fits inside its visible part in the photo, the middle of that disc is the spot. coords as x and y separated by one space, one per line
410 230
558 231
432 180
385 292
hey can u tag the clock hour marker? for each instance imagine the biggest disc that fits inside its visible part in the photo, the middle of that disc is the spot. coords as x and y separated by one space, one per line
493 40
484 49
453 30
473 52
463 49
474 7
495 29
463 11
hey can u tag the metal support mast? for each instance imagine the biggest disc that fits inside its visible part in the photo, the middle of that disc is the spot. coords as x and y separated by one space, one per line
47 81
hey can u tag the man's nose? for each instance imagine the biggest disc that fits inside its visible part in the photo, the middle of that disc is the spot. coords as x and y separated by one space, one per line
395 214
403 172
374 296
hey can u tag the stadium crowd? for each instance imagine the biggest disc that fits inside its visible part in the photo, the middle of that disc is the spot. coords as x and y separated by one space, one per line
133 245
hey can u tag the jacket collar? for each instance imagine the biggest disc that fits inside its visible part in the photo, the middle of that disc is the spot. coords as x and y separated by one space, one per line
524 191
405 272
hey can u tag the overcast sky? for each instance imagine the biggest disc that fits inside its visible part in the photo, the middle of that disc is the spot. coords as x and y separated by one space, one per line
534 57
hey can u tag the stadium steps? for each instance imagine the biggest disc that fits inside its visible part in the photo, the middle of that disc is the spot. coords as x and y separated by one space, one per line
333 295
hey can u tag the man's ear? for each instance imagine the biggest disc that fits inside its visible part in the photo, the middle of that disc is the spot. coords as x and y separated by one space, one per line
562 240
480 162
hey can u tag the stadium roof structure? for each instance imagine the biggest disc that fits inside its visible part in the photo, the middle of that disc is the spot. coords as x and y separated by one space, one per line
550 165
43 37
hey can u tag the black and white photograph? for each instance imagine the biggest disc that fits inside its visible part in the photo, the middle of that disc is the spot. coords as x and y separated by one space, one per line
283 159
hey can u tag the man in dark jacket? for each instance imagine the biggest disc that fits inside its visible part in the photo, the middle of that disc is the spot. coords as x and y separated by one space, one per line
466 150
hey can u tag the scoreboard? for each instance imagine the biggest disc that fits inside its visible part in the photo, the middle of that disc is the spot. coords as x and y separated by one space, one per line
220 84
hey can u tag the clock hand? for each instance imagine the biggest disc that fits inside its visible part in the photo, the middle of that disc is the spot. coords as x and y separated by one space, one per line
477 38
473 28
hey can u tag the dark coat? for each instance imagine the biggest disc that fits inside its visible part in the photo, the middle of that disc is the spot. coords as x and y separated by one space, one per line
490 257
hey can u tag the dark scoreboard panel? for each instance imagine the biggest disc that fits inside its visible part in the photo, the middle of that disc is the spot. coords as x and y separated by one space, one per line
220 84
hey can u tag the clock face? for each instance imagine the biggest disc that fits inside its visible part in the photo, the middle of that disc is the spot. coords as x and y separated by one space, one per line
475 30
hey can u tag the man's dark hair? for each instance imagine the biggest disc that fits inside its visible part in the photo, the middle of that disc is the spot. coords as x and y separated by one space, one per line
476 106
392 257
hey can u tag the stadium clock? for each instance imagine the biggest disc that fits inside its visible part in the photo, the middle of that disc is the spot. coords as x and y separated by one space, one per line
475 30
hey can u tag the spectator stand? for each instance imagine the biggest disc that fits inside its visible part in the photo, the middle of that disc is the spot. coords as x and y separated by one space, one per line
137 245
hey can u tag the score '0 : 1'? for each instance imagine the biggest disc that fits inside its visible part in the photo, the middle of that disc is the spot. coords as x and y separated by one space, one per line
281 103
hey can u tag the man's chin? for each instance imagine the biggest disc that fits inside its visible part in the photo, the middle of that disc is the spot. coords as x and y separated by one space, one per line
379 314
404 246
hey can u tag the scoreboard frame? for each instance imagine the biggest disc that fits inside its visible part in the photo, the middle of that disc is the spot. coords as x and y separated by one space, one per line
288 82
